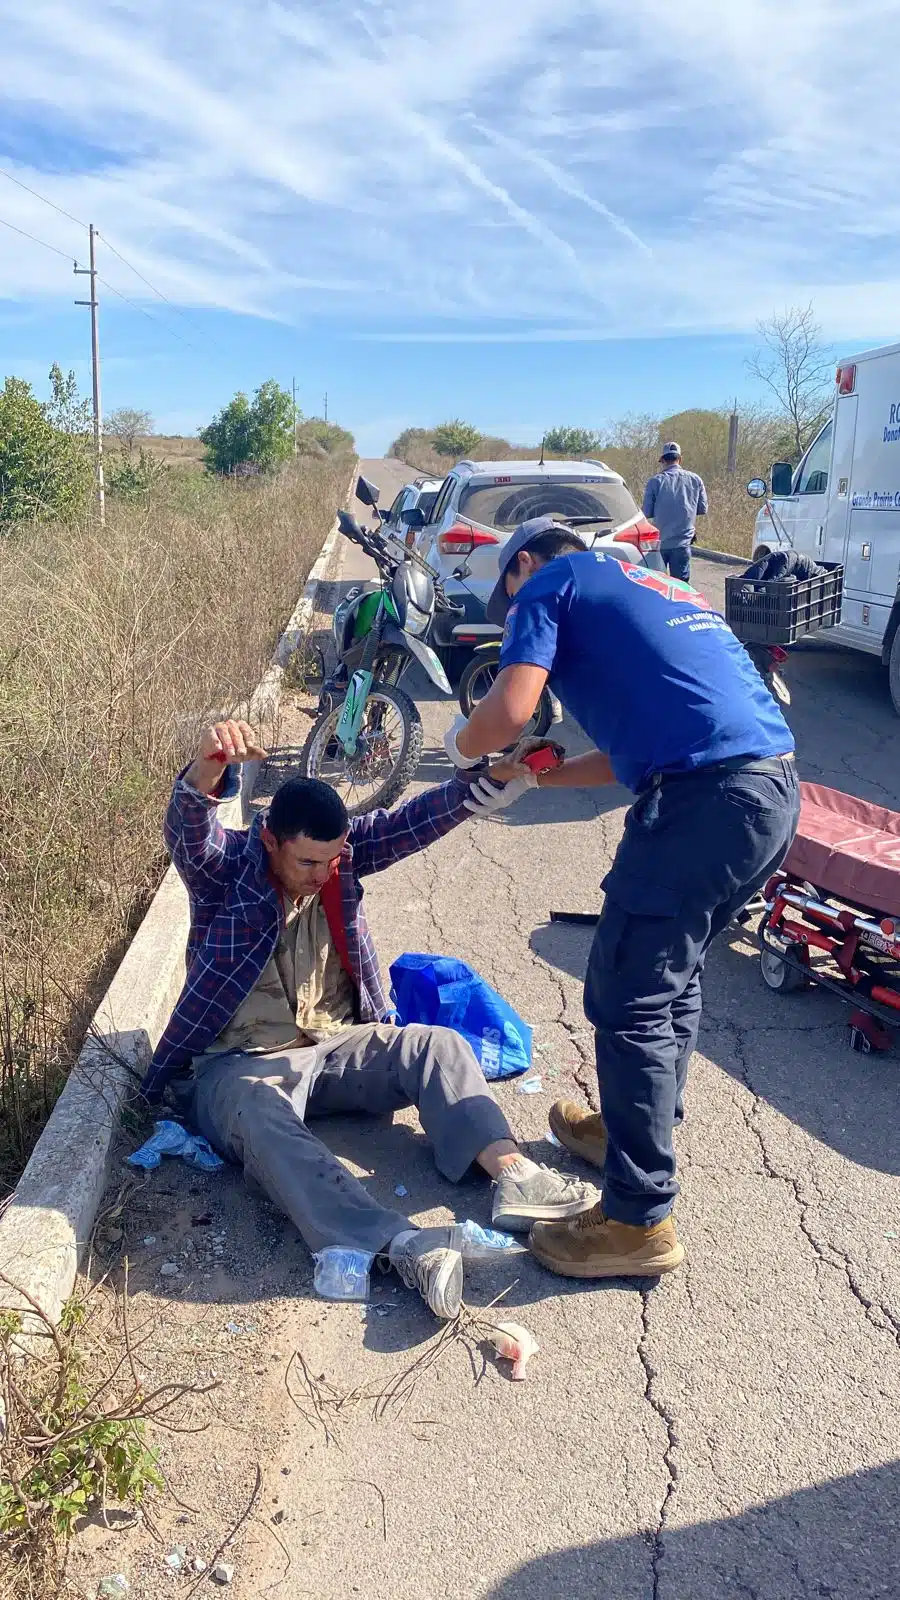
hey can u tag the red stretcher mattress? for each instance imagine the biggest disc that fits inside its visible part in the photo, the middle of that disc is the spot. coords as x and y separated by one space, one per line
849 848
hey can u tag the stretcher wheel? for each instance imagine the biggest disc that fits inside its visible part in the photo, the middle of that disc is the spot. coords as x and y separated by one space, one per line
778 976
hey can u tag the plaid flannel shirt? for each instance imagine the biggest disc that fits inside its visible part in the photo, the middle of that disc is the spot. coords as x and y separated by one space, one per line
237 914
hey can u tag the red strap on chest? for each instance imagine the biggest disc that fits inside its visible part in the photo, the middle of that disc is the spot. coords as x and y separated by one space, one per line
330 896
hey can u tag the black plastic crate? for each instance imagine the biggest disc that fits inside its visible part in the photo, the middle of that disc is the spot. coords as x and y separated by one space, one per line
774 612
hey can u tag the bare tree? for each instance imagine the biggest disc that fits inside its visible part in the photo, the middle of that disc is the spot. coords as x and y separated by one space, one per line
794 365
127 424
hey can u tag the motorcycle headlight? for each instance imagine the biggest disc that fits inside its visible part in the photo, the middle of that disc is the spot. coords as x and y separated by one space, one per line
416 621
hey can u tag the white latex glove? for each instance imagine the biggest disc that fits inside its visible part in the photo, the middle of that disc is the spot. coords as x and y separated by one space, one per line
486 797
456 727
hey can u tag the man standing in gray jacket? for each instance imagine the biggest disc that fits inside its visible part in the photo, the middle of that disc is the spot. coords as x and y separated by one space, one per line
675 499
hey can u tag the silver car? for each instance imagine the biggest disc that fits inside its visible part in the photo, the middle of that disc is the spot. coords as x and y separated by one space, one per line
419 495
480 503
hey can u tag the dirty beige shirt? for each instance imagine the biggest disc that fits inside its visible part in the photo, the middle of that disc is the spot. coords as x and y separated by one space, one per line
302 994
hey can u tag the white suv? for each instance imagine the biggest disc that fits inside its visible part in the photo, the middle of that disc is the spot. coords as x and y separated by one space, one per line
422 493
479 505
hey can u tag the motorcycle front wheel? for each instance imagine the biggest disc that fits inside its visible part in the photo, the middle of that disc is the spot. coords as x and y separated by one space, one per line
477 680
388 751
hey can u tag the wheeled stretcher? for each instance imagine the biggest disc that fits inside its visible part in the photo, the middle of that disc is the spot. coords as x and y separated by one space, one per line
832 914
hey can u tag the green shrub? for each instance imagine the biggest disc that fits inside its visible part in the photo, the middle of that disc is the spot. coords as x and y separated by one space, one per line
455 438
46 469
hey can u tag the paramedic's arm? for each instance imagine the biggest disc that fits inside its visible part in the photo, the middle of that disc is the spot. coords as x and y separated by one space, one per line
649 505
703 502
589 771
506 709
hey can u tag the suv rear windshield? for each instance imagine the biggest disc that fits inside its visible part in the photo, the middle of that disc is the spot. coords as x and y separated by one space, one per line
504 505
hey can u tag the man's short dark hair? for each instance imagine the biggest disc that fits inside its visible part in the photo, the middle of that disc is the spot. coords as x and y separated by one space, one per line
550 545
307 806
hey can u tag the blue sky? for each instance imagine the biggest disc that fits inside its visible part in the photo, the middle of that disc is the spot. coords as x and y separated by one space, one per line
562 210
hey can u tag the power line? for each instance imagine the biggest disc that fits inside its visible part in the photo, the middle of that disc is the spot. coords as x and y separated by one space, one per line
42 197
143 310
125 262
158 292
66 255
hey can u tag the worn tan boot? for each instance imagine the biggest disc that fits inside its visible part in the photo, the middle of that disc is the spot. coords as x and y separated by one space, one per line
593 1246
580 1131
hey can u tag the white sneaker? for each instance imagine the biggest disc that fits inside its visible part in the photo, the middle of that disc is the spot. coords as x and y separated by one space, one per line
430 1260
526 1193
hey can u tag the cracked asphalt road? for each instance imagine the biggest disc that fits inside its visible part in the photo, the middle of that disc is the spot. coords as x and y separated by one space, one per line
732 1432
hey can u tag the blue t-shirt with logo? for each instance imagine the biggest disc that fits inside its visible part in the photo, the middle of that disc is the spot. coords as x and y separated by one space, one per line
655 677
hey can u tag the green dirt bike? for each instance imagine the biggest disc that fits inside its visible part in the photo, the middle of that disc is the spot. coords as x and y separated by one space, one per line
367 739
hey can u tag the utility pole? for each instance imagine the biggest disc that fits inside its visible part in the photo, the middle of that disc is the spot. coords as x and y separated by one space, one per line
325 418
294 413
91 272
732 441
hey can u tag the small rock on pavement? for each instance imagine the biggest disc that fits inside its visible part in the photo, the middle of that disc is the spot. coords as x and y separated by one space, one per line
114 1588
222 1572
199 1564
169 1269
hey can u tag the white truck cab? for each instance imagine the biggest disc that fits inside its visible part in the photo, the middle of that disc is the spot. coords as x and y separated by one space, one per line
842 503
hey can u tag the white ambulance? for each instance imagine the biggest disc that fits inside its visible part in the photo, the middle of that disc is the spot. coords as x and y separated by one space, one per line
842 503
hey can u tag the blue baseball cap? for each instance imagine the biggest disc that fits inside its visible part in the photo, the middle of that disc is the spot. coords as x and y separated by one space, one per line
499 602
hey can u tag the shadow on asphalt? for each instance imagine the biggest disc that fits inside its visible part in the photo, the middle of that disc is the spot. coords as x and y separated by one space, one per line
837 1539
851 1106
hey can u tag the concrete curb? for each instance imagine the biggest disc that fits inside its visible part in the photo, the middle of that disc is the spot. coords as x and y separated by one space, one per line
723 557
48 1222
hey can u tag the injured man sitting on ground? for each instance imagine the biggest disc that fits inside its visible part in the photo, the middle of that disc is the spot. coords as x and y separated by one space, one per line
282 1014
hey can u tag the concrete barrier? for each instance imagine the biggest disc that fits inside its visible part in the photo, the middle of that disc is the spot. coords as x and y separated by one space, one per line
48 1222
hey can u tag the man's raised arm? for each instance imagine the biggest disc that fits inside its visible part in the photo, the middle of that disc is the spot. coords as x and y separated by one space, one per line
198 844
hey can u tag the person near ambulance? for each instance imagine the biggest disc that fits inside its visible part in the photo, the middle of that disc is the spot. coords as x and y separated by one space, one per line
679 716
675 498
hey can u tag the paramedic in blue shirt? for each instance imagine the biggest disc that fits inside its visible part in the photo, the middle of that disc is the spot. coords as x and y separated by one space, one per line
675 498
680 716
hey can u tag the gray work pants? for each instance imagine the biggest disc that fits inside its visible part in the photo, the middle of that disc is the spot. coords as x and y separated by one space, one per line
254 1110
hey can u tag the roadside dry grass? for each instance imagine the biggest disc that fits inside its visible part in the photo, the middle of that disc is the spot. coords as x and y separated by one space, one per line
115 644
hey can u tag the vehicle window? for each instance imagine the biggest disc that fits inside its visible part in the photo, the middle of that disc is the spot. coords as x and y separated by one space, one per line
398 506
443 495
504 506
814 471
426 502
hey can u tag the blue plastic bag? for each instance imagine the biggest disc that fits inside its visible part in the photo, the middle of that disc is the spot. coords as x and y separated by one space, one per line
449 994
171 1139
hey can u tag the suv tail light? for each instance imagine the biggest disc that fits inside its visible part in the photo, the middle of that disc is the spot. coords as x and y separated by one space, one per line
462 539
640 532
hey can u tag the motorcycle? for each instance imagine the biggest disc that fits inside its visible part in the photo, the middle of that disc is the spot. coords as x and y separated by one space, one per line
366 741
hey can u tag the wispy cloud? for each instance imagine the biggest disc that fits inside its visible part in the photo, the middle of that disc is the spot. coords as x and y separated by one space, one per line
375 163
562 181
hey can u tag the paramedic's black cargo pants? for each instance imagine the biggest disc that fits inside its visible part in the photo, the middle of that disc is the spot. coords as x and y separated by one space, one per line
696 848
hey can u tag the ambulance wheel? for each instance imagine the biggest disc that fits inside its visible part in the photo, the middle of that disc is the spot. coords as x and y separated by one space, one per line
778 976
894 672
